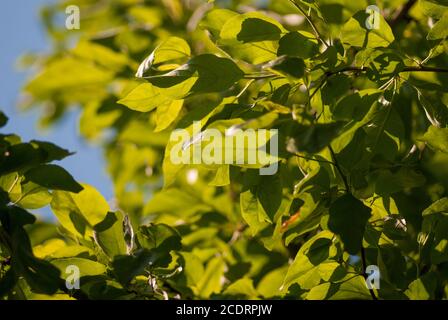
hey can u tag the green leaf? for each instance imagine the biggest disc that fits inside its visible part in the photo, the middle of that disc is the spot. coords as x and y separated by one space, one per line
348 289
422 288
434 229
433 8
320 292
319 251
440 206
79 212
388 183
435 110
7 282
191 274
145 98
332 271
102 288
127 267
241 289
185 204
22 156
440 29
40 275
254 52
31 196
290 66
102 55
439 250
215 20
355 106
269 194
171 49
298 44
159 236
250 211
355 33
109 235
52 151
313 206
382 63
261 200
269 286
167 113
83 74
86 267
222 176
302 271
385 131
53 177
209 72
314 138
254 29
149 16
391 263
13 217
3 119
437 138
348 208
251 27
353 156
202 115
211 280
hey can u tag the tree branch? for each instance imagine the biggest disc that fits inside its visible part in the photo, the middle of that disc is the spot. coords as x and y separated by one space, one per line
402 13
405 69
424 69
329 74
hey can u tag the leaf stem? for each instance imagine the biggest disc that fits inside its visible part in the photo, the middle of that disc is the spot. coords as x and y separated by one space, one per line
313 26
260 76
364 267
312 159
338 168
14 183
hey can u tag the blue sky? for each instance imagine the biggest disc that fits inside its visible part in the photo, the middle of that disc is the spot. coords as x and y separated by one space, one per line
21 32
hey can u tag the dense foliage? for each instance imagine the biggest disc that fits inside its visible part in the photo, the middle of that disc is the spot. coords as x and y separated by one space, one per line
363 165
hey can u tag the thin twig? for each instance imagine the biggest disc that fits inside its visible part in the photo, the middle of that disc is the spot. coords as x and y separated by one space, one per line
312 159
402 13
405 69
260 76
313 26
364 266
339 169
329 74
424 69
